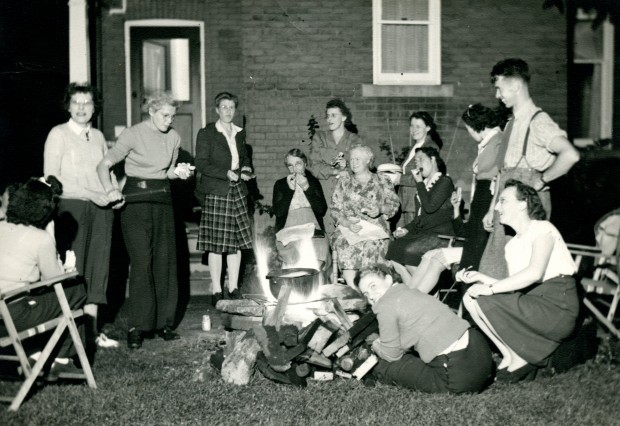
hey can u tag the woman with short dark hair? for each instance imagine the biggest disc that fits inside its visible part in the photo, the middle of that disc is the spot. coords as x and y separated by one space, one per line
434 215
483 125
422 133
422 344
329 151
531 311
84 224
28 254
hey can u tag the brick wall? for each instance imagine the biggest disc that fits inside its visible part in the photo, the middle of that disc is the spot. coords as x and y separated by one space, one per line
222 50
299 54
287 58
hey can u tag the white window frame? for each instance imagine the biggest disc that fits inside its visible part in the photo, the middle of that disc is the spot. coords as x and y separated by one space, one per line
433 76
607 76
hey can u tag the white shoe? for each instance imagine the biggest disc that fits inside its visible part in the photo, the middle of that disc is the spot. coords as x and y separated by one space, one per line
104 341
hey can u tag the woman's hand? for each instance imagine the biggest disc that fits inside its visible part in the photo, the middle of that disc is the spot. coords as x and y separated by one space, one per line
302 181
291 181
114 195
99 198
417 175
232 176
184 170
487 221
480 290
469 277
372 211
352 223
400 232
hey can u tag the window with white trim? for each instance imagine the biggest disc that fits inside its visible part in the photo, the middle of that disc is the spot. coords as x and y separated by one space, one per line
406 42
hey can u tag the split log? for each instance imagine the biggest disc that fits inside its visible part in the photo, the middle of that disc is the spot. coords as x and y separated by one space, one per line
275 316
334 306
289 378
239 365
241 307
308 331
278 357
340 341
239 322
313 358
320 338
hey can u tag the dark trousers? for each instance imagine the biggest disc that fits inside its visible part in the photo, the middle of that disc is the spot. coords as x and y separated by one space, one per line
37 308
148 231
86 229
468 370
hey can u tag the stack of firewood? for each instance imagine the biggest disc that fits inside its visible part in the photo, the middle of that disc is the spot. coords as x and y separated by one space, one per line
328 346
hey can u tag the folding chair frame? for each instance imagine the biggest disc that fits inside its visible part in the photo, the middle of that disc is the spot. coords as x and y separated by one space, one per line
581 251
59 324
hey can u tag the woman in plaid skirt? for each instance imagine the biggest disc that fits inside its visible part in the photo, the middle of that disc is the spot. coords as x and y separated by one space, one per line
223 166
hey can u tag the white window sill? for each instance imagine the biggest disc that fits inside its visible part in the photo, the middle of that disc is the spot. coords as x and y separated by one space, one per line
407 91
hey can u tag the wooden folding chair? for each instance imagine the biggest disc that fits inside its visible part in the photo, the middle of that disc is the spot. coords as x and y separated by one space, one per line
603 282
452 242
59 325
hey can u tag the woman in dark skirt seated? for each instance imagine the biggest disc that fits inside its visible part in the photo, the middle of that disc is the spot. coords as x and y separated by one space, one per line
529 313
298 200
449 356
434 214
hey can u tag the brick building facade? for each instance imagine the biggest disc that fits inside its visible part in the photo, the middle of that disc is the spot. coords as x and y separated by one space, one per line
286 58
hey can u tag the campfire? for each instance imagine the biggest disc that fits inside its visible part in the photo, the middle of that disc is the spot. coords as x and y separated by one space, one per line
297 329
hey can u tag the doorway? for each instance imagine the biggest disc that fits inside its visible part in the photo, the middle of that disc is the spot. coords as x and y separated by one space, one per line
165 55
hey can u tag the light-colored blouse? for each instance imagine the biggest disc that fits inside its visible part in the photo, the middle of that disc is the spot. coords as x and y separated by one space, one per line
519 251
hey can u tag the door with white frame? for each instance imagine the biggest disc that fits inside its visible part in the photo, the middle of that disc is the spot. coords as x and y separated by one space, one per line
167 58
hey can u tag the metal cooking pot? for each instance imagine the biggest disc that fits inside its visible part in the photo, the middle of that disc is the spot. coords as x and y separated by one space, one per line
303 281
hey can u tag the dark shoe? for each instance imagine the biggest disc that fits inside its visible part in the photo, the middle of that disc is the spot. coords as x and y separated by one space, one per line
235 294
501 375
167 334
527 373
216 297
64 371
135 338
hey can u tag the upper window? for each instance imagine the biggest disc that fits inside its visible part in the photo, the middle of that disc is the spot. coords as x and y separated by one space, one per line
406 41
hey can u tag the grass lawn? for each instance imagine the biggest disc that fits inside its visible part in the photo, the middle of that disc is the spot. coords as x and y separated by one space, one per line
155 386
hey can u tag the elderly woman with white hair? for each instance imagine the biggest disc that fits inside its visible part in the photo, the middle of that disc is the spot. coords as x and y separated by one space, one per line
361 205
150 150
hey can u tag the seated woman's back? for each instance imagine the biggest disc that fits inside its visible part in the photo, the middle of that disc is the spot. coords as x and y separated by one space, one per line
27 251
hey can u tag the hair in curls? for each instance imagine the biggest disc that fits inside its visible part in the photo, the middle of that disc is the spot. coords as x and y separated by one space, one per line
431 152
377 269
428 120
528 194
296 152
511 67
226 96
34 203
480 117
156 101
74 88
344 109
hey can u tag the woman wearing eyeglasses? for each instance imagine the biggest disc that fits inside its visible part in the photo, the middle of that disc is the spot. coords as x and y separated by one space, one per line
150 150
84 223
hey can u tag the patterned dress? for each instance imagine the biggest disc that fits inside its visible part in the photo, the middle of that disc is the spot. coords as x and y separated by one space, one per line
349 198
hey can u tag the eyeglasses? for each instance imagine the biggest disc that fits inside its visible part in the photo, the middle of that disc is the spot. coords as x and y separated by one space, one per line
83 103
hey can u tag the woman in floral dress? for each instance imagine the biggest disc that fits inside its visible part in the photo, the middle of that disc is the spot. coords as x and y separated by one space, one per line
361 206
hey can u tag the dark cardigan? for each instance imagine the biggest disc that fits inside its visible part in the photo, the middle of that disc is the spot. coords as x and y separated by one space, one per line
283 195
436 207
213 160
